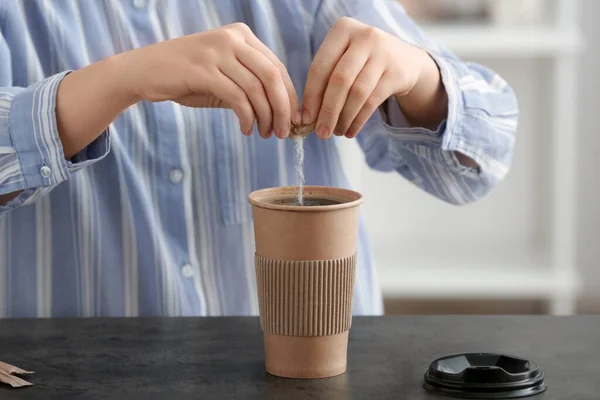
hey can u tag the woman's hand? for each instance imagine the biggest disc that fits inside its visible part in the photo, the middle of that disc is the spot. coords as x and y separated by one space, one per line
227 67
357 68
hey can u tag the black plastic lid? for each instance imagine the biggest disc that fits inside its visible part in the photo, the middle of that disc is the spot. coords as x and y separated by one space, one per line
484 376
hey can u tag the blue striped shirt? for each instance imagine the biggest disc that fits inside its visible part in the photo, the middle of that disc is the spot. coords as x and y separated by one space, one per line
152 217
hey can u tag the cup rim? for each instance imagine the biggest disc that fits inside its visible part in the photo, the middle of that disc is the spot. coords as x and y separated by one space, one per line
263 198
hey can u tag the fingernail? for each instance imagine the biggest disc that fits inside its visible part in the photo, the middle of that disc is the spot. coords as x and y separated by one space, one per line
249 131
306 119
298 118
280 133
268 134
323 132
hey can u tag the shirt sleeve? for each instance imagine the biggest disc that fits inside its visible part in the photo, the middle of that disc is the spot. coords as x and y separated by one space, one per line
31 153
481 121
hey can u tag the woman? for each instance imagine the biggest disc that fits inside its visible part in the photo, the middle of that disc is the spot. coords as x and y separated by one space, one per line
149 216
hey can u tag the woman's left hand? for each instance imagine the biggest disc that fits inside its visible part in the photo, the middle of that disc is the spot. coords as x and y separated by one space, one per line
357 68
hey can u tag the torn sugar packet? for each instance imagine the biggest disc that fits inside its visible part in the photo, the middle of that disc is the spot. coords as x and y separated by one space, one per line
9 375
302 130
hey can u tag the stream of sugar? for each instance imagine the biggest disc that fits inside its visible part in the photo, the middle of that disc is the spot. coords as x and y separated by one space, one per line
299 163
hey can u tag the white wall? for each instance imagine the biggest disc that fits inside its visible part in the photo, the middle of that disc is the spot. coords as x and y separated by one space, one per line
589 155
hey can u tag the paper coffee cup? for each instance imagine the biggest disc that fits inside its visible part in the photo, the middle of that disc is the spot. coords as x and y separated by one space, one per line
305 269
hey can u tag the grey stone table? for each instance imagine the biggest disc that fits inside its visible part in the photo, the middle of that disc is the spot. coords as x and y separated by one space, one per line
221 358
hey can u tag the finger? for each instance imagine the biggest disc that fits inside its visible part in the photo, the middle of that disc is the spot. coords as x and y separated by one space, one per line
377 97
287 80
338 87
255 91
272 82
227 90
323 64
361 89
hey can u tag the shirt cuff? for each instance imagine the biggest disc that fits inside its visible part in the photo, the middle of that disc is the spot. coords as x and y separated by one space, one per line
34 134
446 136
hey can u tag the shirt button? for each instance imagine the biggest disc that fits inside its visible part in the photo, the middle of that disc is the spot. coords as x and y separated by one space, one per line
187 271
45 171
176 175
140 3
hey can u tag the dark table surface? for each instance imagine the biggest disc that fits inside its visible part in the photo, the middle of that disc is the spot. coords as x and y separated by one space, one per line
222 358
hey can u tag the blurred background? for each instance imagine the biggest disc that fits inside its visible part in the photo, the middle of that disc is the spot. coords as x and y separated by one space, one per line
532 246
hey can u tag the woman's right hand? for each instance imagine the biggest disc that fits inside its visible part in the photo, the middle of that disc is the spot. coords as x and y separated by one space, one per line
228 67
